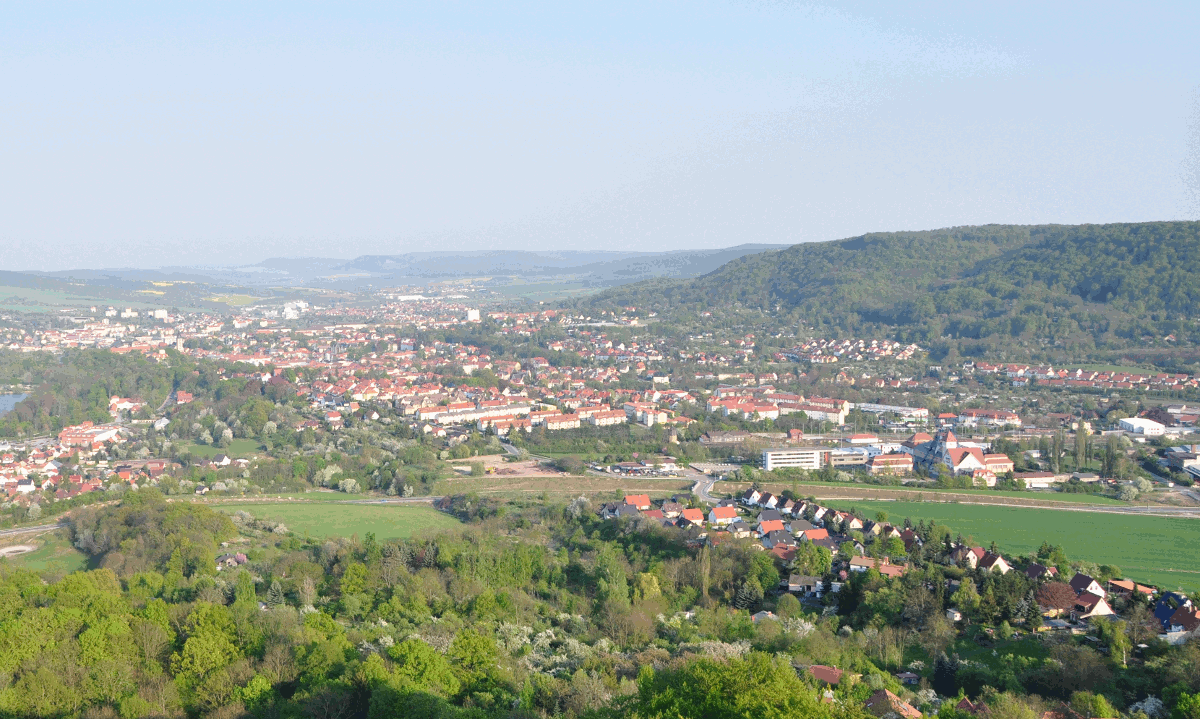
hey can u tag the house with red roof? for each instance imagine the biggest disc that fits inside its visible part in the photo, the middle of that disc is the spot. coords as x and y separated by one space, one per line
641 501
693 516
771 525
720 516
811 535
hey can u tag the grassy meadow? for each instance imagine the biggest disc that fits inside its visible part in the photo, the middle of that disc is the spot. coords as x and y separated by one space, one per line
54 554
328 519
1156 550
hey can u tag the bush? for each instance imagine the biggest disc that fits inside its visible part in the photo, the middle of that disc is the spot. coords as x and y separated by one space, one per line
570 464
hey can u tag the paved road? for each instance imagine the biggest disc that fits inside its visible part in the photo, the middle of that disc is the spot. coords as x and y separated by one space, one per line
702 487
27 530
394 500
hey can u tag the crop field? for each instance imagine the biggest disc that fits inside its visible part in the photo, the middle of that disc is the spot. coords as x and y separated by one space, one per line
545 291
841 489
599 487
327 519
1156 550
235 300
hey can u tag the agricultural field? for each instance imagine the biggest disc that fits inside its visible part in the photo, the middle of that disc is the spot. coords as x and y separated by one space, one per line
562 487
328 519
823 489
235 300
1155 550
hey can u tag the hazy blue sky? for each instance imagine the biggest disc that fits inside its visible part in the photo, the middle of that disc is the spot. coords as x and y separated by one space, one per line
148 134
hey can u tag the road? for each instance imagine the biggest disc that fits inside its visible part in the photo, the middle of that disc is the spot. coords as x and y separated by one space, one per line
703 487
27 530
394 500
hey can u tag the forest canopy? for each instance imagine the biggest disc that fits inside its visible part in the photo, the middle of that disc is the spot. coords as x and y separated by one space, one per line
1113 282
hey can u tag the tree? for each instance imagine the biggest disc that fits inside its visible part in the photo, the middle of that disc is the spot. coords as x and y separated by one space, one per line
1032 612
1057 452
945 675
1092 706
275 596
713 688
1080 453
354 579
1187 706
1114 633
1056 596
987 609
789 606
244 588
1112 455
424 667
472 651
749 594
966 598
812 559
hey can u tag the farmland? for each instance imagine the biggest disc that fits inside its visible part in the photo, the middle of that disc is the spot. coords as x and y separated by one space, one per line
839 490
564 487
1157 550
329 519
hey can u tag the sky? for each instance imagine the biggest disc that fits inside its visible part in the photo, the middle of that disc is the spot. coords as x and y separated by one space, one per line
224 133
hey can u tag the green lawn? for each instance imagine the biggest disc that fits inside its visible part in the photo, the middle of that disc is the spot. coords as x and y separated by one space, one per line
1156 550
1032 496
54 555
326 519
1047 496
237 449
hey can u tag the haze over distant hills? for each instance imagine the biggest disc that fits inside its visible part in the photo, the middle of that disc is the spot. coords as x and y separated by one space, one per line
595 268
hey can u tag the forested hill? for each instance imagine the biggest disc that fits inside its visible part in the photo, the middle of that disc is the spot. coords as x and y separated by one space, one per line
1111 283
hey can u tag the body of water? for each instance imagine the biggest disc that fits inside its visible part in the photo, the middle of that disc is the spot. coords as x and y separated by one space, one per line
8 401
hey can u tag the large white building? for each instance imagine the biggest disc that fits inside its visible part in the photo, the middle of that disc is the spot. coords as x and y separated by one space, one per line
1141 425
802 457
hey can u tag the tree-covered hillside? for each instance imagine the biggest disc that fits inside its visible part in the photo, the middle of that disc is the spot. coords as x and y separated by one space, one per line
1098 285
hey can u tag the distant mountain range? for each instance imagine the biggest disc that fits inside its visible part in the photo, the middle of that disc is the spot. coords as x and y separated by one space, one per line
596 268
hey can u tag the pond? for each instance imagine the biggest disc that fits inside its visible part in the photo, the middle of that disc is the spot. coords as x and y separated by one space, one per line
8 401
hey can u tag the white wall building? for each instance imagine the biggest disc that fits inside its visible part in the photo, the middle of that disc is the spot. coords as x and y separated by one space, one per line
1140 425
802 457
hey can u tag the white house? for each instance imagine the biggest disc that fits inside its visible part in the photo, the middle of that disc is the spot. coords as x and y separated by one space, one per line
722 515
750 496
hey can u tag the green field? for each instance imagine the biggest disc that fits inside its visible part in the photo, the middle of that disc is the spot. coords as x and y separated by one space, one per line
54 555
1047 496
344 520
1157 550
545 291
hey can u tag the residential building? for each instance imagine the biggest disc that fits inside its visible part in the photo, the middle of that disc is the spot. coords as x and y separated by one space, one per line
801 457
